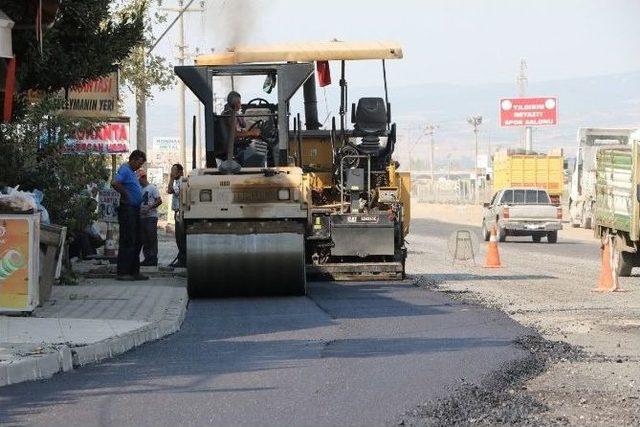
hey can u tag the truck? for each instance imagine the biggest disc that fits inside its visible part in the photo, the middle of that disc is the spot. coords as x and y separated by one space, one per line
617 202
522 212
520 169
583 178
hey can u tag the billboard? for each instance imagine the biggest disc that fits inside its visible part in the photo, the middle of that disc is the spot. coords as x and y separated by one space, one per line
166 143
525 112
112 138
97 98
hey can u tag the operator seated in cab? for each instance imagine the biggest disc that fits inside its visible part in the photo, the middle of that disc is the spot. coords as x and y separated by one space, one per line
249 149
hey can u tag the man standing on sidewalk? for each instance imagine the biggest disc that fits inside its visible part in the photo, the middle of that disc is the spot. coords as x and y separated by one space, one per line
177 171
126 183
149 220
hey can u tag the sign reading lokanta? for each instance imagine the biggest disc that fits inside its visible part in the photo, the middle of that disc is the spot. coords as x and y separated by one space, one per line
96 98
112 138
524 112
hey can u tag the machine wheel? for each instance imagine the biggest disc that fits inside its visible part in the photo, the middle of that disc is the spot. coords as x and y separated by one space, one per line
625 264
239 265
552 237
502 234
536 238
486 235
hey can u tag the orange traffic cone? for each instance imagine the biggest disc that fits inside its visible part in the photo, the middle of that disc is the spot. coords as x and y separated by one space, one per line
608 278
493 256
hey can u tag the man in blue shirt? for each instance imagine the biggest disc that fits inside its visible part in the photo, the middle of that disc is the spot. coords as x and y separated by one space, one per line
126 183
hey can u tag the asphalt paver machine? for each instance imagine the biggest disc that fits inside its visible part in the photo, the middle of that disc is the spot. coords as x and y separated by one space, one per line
278 201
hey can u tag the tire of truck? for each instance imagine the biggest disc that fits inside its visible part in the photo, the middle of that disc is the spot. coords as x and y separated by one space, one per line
502 234
625 263
486 234
552 236
536 238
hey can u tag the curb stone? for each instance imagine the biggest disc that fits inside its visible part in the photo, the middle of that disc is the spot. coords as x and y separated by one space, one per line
64 358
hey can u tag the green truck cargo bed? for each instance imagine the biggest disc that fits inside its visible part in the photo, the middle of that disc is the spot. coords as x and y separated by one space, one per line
616 205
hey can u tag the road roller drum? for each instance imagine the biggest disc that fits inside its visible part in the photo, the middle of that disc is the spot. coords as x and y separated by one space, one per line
246 259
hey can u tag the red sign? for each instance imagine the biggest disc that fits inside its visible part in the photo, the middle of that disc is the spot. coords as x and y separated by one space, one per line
521 112
112 138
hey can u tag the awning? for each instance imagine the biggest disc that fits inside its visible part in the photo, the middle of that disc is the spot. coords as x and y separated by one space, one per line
304 52
6 24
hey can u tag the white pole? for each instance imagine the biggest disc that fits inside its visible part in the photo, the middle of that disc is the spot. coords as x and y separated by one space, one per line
181 107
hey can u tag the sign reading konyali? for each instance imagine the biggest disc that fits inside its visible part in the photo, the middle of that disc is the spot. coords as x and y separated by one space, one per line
519 112
112 138
96 98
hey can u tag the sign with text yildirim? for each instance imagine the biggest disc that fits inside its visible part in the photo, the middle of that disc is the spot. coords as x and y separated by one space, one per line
111 138
525 112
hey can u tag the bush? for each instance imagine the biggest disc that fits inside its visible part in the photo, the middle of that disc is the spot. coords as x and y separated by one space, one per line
33 157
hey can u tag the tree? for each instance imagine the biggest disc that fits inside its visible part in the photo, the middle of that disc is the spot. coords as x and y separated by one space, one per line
33 157
142 71
85 41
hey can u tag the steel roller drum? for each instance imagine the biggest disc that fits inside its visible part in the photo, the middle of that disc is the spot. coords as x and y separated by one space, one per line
227 265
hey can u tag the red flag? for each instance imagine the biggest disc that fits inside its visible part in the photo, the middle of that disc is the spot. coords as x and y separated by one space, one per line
324 73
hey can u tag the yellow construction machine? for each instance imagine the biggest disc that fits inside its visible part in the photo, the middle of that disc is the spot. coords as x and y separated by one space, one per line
276 202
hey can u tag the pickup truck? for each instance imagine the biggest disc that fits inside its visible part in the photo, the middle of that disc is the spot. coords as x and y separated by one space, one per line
522 212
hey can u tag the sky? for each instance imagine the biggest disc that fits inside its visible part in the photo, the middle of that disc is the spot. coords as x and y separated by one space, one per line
457 42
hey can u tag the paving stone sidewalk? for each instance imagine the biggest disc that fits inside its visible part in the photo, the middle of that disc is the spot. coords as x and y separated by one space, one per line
87 323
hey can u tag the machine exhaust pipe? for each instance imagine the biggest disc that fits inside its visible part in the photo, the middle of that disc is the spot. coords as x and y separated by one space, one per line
310 104
230 166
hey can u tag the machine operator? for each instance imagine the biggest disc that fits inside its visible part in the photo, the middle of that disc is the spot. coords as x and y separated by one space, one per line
234 104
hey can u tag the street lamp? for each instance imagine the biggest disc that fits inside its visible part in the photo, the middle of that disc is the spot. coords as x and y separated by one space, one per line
476 121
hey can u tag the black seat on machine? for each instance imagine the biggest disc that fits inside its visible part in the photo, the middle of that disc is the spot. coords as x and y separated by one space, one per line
370 124
371 117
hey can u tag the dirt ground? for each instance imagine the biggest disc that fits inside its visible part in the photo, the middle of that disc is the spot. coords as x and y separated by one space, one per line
551 294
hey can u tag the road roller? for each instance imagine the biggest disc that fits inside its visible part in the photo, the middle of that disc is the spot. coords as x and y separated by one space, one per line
278 200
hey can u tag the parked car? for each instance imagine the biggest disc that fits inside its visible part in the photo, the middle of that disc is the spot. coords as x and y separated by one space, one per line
522 212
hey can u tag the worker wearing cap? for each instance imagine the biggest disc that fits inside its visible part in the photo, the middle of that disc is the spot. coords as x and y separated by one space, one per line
149 220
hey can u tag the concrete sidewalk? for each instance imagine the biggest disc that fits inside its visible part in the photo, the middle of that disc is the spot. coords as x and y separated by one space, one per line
88 323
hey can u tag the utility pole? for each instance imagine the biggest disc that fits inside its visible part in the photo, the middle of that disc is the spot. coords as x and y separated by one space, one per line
522 82
141 110
475 122
182 55
430 130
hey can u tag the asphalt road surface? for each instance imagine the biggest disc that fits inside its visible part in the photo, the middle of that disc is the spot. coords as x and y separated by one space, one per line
349 354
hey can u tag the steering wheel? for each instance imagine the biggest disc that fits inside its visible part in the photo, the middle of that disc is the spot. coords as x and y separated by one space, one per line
258 102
